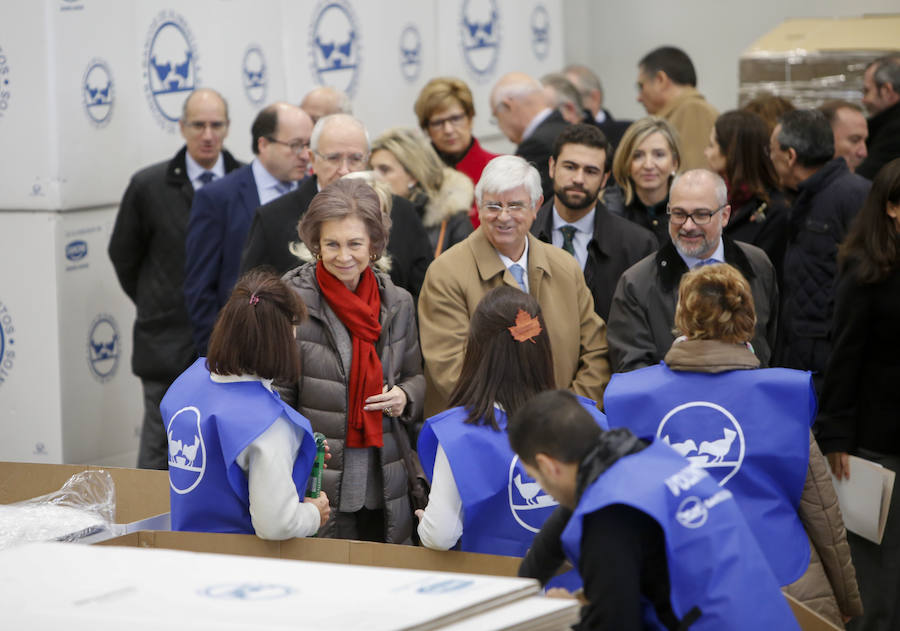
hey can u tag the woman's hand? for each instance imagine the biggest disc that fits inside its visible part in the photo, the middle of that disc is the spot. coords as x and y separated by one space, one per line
420 514
391 402
840 464
321 503
327 454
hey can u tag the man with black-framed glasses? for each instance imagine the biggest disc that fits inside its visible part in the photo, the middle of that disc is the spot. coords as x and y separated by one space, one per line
223 211
147 252
642 314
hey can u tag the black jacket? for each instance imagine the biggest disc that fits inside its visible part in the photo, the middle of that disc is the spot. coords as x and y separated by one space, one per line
618 537
860 397
825 205
883 142
275 228
147 251
762 224
538 148
616 245
653 218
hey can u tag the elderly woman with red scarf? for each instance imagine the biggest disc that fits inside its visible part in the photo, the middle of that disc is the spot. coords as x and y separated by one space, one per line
362 382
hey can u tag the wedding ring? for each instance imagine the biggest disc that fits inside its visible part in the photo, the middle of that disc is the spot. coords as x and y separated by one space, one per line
387 411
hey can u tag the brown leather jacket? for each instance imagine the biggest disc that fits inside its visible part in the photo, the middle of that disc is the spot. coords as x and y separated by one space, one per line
828 586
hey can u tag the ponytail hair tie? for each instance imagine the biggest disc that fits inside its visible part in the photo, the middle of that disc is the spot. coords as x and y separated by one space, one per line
254 299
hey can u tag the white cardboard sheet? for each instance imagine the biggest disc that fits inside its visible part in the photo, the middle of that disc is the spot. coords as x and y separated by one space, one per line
865 498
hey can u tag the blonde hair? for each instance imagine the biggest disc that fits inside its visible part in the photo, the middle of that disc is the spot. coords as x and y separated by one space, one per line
415 155
440 93
715 303
636 133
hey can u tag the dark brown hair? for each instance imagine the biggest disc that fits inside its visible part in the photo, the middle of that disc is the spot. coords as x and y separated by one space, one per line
345 197
744 141
769 108
254 333
873 240
497 368
715 303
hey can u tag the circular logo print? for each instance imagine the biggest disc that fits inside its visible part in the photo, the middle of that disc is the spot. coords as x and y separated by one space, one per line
247 591
480 37
540 32
104 345
334 46
410 53
98 92
708 435
529 504
170 67
254 75
692 513
187 450
7 343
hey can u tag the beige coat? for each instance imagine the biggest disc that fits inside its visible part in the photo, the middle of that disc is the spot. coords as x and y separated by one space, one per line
458 279
828 586
692 117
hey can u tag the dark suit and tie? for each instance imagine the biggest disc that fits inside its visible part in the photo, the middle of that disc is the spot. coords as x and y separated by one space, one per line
538 148
219 222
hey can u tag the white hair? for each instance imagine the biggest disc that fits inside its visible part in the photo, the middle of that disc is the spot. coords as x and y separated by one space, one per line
694 175
505 173
336 119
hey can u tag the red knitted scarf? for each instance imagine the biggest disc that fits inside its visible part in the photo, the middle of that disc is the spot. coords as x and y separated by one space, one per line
359 312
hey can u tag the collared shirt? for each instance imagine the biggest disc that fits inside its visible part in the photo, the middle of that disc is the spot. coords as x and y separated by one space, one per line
194 170
523 261
537 120
584 230
266 184
718 255
601 116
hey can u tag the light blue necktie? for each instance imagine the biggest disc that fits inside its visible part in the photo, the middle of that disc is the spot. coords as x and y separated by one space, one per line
519 274
704 262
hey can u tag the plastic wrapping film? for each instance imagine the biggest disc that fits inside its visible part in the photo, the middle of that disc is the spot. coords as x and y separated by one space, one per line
85 505
806 78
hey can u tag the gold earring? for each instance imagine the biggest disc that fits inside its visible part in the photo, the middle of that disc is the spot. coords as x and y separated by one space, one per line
373 258
318 256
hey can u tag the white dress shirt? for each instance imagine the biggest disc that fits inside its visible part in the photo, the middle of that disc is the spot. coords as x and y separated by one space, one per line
523 262
194 170
584 231
266 184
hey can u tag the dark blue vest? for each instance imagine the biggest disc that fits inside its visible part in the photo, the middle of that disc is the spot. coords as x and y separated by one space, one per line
713 559
208 425
503 507
749 429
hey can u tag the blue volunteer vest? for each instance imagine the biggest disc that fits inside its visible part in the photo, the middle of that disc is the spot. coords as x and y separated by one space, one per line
503 507
749 429
208 425
713 559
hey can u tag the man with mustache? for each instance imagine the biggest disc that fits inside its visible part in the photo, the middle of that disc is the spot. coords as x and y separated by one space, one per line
576 219
642 314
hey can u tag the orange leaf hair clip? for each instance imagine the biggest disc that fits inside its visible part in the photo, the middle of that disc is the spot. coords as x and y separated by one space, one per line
526 327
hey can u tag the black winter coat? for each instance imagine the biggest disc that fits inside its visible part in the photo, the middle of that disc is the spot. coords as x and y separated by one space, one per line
883 143
147 251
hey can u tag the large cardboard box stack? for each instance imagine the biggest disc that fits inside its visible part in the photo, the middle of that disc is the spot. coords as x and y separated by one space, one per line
810 61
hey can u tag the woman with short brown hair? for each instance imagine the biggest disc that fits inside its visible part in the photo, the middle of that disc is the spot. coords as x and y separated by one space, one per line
362 384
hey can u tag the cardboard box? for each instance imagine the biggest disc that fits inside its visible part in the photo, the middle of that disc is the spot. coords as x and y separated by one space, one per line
810 61
326 550
140 493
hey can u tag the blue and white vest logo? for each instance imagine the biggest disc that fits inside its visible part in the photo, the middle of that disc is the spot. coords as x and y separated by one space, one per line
708 435
480 37
529 504
692 512
7 343
187 450
334 46
410 53
76 250
247 591
98 92
540 32
255 75
170 67
104 347
4 83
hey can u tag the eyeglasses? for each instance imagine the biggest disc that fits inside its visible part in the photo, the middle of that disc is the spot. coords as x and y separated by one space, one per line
513 208
353 160
199 127
297 146
437 124
700 217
